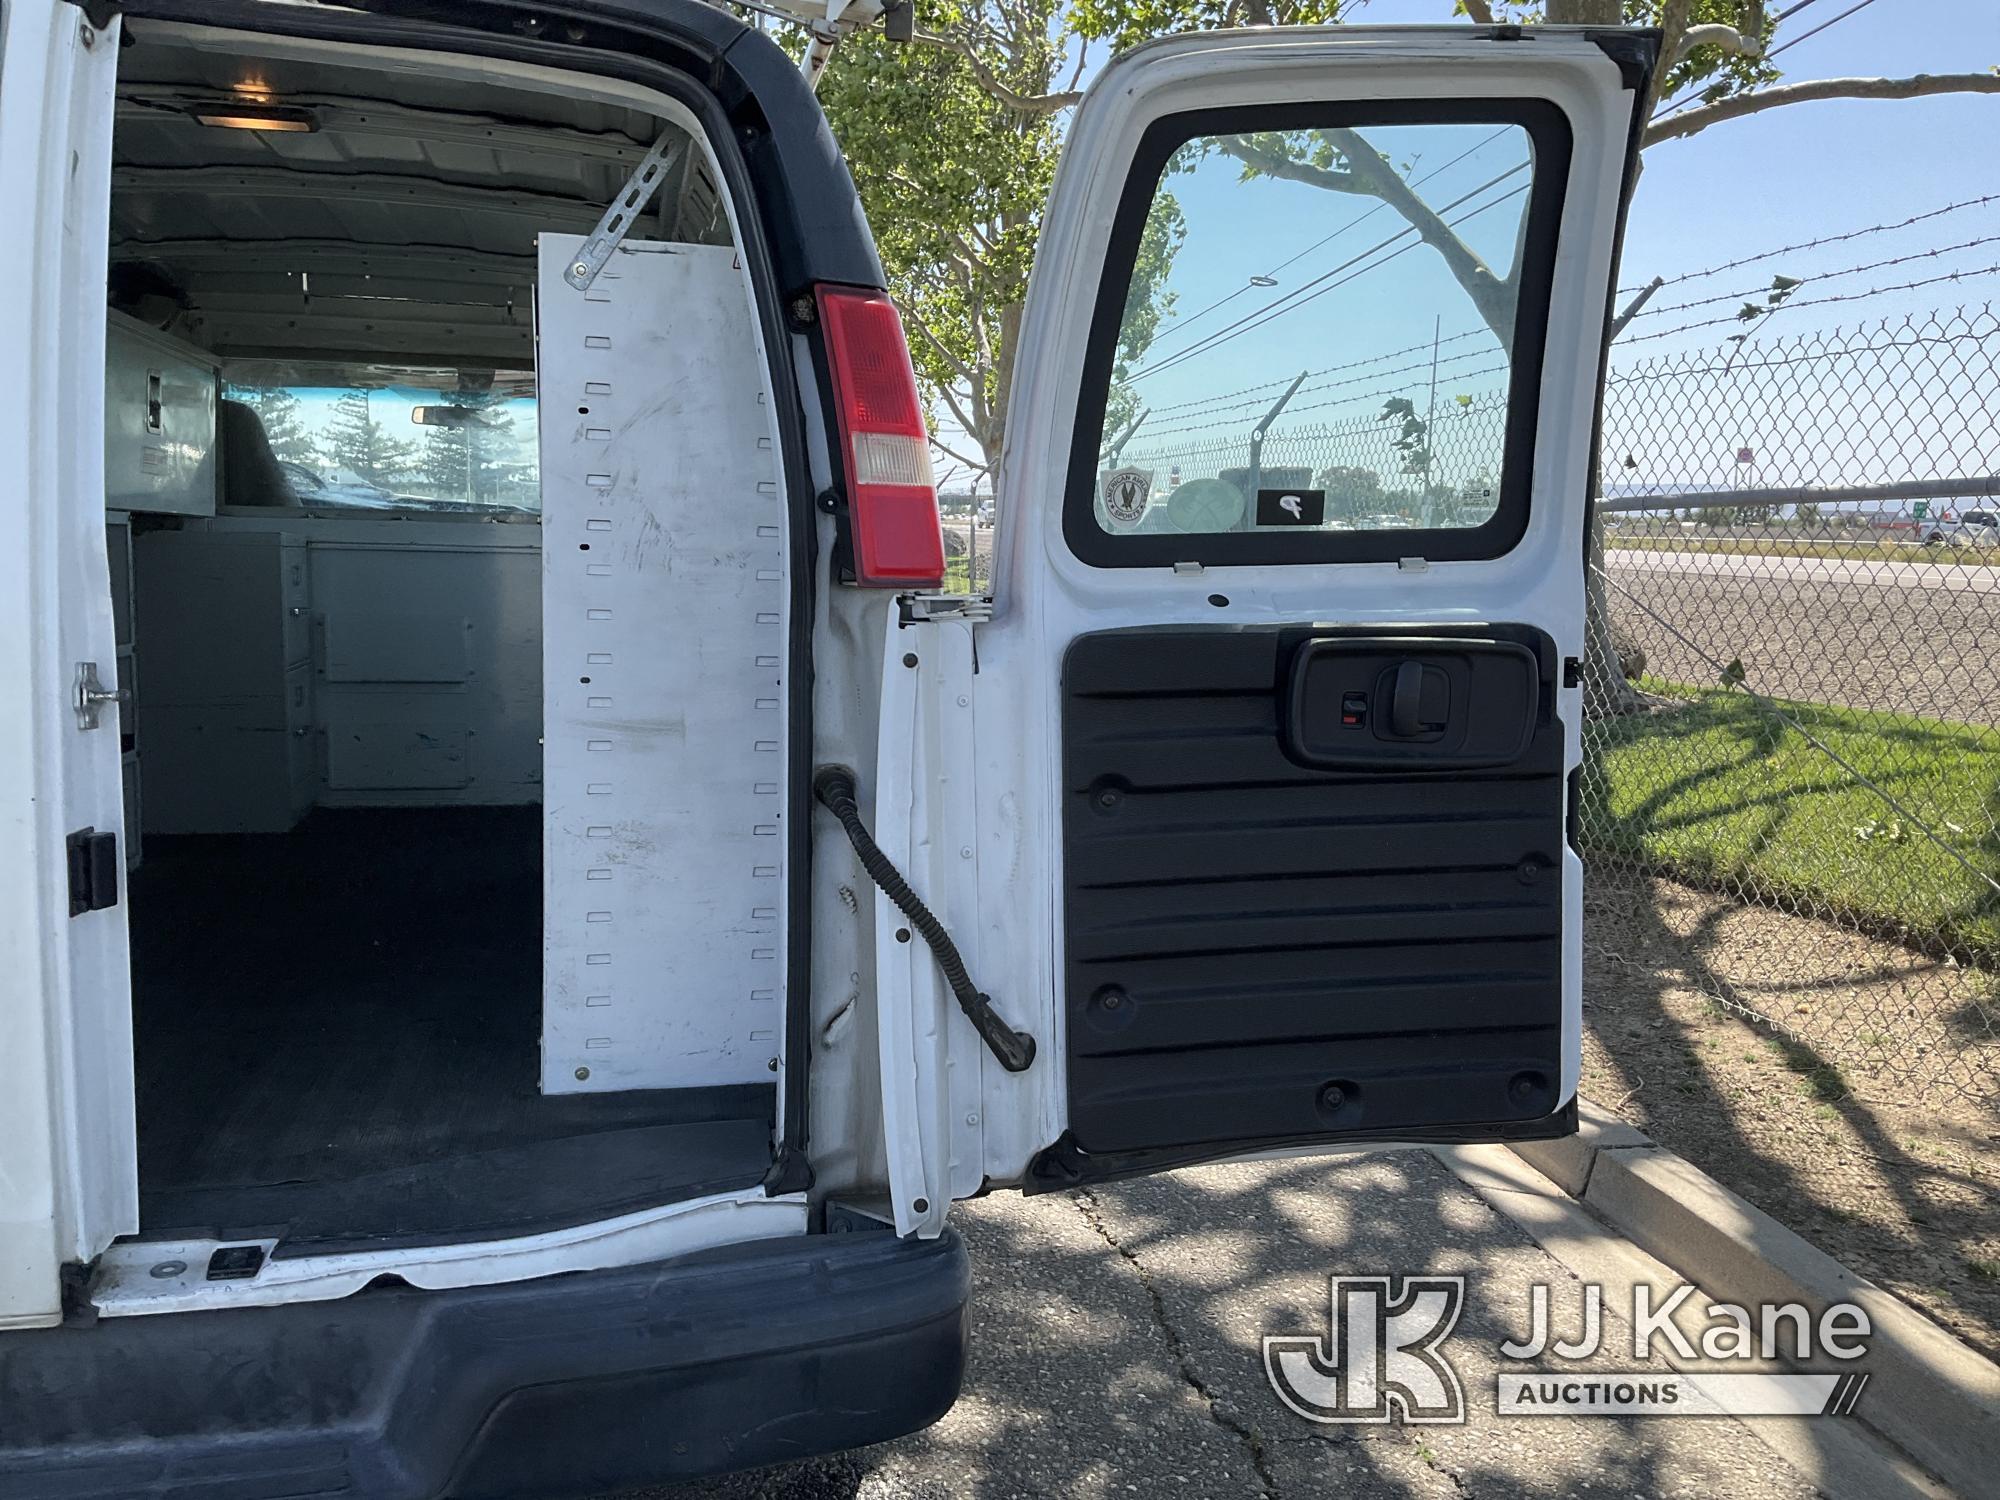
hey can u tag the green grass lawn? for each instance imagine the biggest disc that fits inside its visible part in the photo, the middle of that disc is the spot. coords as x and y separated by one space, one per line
1860 550
1721 790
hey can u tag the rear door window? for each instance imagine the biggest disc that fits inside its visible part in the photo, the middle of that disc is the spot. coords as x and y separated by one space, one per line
1319 336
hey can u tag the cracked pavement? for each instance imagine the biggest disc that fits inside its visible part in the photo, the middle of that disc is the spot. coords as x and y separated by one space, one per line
1116 1350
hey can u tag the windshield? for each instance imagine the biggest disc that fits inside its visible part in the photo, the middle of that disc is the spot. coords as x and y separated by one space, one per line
371 437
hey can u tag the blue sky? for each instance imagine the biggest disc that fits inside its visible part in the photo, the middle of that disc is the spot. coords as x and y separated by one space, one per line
1738 189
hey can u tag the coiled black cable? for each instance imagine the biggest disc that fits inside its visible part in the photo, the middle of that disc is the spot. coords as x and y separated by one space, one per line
834 787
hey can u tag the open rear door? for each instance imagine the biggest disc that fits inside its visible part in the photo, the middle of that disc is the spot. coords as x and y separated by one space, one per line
1252 799
68 1161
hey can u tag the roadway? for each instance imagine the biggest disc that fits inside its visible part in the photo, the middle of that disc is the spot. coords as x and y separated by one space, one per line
1912 638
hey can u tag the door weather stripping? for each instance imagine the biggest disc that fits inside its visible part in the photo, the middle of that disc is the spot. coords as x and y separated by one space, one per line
624 210
834 787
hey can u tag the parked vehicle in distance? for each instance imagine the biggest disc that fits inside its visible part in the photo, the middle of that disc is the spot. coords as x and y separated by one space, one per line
1969 528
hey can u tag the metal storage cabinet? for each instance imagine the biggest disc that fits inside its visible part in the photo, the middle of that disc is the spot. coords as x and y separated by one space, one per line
160 398
118 549
227 716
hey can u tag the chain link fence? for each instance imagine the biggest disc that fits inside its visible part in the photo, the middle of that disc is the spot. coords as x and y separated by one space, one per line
1791 798
1792 785
1791 792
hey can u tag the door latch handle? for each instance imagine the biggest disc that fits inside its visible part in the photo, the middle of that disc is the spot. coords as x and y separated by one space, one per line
88 696
1405 698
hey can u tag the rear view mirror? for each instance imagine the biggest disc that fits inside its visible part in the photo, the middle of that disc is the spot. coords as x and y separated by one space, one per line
448 416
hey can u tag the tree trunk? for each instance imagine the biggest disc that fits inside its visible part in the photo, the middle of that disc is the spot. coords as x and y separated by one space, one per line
1606 693
1585 13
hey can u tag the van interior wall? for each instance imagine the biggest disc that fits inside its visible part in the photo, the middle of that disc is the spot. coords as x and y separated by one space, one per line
335 745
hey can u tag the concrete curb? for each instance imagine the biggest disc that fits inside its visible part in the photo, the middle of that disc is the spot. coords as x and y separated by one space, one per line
1928 1394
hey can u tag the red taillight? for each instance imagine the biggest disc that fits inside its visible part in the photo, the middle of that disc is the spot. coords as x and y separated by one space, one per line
891 498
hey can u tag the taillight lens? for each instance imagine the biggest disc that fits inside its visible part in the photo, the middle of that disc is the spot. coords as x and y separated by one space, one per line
892 499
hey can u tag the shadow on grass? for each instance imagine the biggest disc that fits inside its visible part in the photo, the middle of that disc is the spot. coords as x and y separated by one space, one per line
1719 791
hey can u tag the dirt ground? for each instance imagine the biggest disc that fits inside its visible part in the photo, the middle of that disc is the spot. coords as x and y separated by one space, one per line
1861 1131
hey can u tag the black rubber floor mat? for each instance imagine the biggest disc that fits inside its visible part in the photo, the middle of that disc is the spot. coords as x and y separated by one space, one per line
338 1029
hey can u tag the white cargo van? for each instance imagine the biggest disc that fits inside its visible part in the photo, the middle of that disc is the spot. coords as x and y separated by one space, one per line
526 897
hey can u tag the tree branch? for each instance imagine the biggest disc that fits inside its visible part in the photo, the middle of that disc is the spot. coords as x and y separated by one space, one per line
977 465
1477 11
990 83
915 320
1712 34
1273 165
958 413
1923 85
1377 178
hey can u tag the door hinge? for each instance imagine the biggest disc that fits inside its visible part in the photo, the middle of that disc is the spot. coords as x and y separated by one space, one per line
924 609
93 870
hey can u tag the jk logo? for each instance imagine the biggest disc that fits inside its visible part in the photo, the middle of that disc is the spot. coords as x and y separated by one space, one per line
1380 1357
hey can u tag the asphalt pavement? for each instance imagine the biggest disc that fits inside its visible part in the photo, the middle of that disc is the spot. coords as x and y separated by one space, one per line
1911 638
1116 1350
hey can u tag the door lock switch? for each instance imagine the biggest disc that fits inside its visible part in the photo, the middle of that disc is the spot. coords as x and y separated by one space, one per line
1353 710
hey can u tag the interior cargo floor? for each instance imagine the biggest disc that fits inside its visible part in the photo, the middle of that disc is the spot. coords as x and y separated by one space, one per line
337 1041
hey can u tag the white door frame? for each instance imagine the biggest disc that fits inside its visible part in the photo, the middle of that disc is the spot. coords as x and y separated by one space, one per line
68 1159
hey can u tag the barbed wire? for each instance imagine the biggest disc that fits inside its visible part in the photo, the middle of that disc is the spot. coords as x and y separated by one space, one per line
1212 403
1838 346
1421 366
1878 291
1817 277
1731 362
1237 406
1830 239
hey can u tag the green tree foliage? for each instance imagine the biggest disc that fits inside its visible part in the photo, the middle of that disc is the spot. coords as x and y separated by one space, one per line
952 143
1351 491
355 440
1126 23
954 179
479 458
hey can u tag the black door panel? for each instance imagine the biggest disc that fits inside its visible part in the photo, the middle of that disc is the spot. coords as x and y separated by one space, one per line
1261 948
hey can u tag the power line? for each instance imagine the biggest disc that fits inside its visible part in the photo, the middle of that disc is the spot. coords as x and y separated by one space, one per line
1188 321
1213 403
1830 239
1298 297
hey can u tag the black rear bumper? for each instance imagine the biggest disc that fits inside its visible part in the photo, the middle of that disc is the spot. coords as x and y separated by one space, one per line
571 1385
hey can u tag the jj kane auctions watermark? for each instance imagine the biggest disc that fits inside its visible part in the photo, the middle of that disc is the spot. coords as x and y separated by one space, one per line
1383 1357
